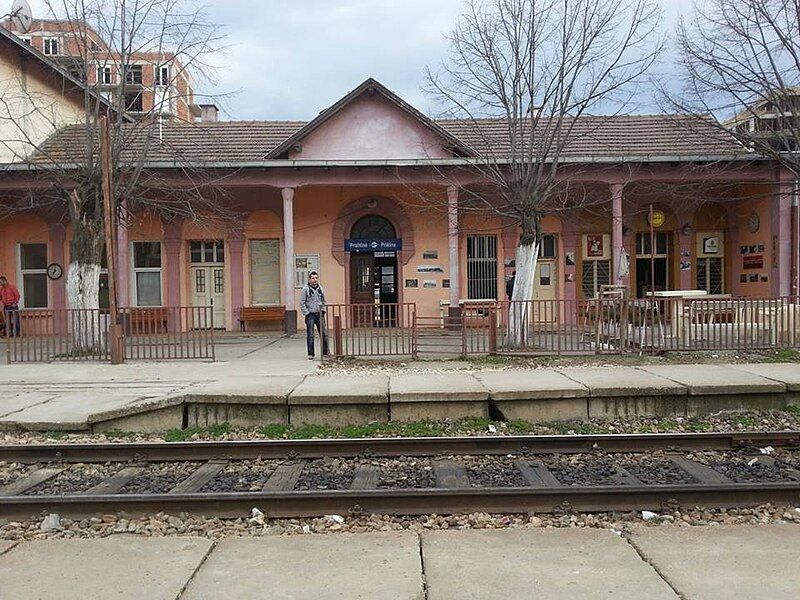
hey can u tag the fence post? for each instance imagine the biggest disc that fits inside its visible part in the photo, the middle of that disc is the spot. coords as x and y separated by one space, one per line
493 330
337 335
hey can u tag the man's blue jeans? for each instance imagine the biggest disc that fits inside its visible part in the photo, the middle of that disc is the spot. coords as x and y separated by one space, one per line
313 319
11 314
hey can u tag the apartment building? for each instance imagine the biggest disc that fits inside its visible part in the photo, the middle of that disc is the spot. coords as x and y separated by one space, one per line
152 84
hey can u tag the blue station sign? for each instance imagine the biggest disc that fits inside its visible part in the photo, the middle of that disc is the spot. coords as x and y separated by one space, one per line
367 245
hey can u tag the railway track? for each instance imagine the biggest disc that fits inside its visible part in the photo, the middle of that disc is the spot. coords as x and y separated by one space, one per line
508 474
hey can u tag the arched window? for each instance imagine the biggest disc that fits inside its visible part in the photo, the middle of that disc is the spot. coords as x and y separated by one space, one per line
373 227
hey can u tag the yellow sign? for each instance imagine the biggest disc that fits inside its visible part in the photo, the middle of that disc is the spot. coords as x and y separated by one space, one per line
658 218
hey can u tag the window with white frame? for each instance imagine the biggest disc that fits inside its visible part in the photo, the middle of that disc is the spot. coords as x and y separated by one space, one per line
33 274
596 273
104 76
50 46
547 247
147 273
133 75
162 75
482 267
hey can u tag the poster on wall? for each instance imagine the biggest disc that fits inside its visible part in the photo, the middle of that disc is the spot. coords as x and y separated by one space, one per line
594 246
428 254
686 265
753 261
303 265
569 259
412 283
429 283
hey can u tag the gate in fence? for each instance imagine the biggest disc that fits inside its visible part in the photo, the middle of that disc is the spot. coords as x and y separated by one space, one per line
148 333
610 325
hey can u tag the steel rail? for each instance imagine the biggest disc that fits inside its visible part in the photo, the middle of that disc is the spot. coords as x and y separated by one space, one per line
419 446
409 501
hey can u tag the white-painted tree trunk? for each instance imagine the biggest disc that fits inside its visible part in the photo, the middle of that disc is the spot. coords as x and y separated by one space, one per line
83 289
519 311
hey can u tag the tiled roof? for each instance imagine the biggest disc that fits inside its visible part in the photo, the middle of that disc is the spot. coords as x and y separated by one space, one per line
245 141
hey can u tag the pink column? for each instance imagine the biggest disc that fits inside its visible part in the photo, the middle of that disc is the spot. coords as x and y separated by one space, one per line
781 272
235 251
58 237
796 242
616 231
172 263
290 316
123 266
452 245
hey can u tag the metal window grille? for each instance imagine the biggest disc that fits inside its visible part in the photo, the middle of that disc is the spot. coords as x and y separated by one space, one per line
596 273
709 275
482 267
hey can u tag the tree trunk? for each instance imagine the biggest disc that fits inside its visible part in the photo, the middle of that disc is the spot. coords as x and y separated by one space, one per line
520 308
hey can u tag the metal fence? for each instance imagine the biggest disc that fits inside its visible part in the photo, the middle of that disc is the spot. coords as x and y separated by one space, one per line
148 333
598 326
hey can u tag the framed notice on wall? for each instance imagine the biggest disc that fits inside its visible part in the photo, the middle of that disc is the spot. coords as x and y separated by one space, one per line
303 265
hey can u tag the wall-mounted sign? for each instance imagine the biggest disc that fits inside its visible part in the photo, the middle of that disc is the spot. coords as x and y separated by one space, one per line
711 245
754 261
445 283
412 283
430 269
429 283
367 245
430 254
657 219
594 246
569 259
303 265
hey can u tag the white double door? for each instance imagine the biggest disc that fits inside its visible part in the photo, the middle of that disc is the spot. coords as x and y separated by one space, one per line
208 289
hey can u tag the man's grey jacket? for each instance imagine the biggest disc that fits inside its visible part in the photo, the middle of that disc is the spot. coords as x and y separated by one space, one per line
312 300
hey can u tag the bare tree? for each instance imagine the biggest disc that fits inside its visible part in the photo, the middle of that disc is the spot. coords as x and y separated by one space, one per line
741 67
107 42
535 69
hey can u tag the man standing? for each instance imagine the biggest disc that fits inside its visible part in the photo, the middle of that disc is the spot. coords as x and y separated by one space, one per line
9 295
312 305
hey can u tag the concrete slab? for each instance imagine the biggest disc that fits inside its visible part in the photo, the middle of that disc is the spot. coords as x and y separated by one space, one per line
6 546
363 566
530 385
786 373
529 563
14 402
725 562
116 567
622 381
438 387
716 379
341 389
245 390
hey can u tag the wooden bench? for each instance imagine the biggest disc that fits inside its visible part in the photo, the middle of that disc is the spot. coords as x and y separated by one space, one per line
262 314
148 320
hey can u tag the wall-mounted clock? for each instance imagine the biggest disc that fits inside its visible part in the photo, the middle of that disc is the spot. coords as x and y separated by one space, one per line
54 271
753 222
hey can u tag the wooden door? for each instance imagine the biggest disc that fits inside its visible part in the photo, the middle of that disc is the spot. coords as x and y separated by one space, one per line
208 289
362 289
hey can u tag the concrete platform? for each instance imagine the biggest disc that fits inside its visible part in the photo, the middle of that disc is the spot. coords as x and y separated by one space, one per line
536 395
120 567
437 396
740 562
371 566
6 546
716 379
606 382
524 564
340 400
786 373
240 401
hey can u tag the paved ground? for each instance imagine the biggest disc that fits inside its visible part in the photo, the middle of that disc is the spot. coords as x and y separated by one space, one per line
669 563
273 370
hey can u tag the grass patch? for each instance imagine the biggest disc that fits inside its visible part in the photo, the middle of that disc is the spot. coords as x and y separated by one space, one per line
392 429
182 435
697 426
747 421
784 355
55 435
793 409
119 434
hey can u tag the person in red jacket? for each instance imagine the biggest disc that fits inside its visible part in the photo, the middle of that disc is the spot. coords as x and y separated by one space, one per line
9 295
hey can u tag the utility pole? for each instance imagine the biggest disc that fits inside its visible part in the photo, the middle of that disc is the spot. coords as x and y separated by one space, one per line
110 231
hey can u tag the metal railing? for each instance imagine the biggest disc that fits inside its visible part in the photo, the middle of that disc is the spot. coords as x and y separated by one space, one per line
371 329
148 333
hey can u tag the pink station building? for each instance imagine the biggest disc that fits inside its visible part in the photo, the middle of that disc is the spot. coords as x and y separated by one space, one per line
370 193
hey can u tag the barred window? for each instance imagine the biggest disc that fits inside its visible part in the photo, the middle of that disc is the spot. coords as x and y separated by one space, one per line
709 275
482 267
596 273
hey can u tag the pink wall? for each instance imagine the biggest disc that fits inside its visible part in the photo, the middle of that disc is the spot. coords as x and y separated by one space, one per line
370 127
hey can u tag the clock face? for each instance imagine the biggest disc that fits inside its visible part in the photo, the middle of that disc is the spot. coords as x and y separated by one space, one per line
54 271
753 222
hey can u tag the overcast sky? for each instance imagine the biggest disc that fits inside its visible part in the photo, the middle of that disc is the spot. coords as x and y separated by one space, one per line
291 59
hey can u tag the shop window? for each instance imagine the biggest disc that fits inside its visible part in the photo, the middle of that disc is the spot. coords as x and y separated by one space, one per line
482 267
710 275
596 273
547 249
33 272
147 273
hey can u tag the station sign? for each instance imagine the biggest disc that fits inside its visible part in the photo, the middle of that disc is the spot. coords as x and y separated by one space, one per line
368 245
